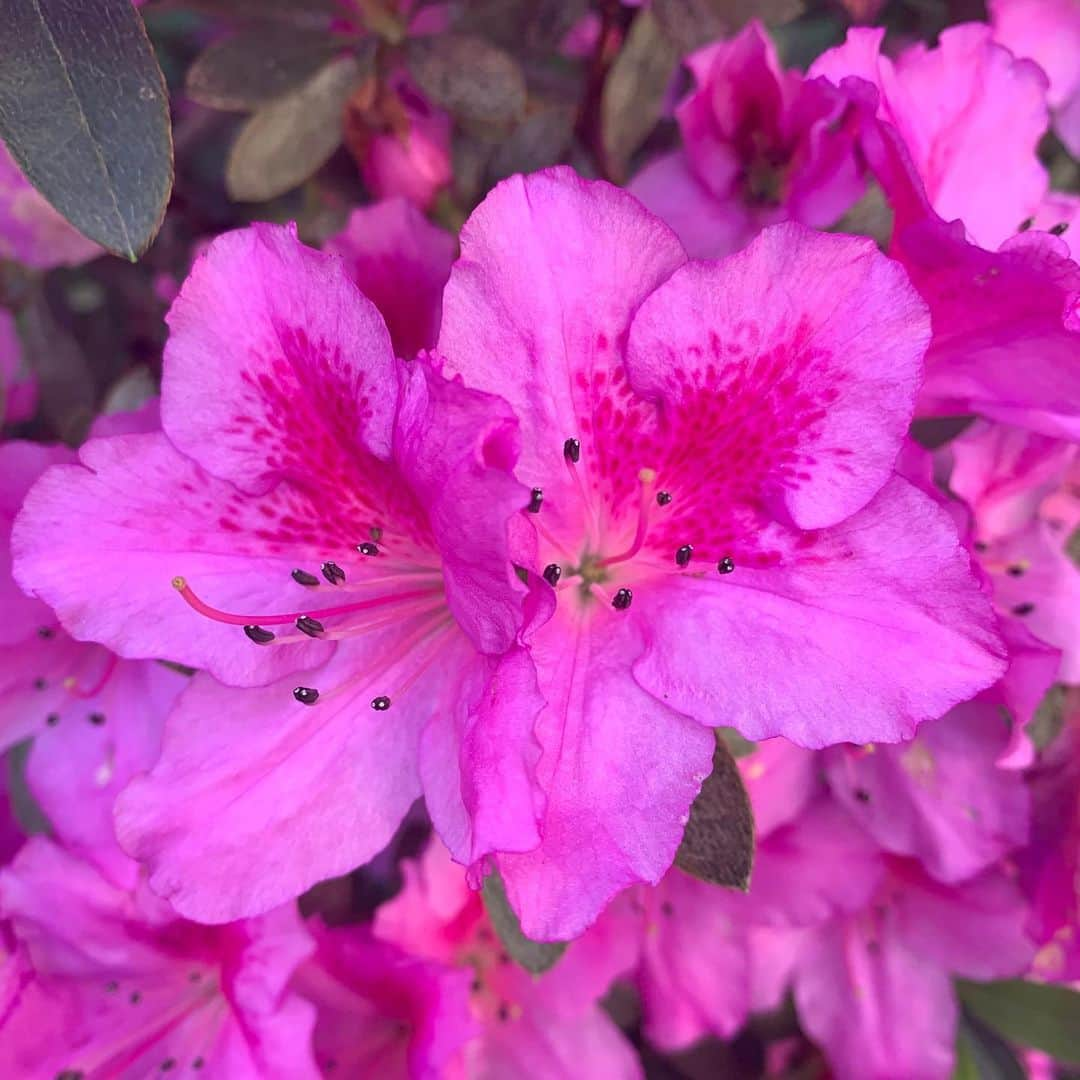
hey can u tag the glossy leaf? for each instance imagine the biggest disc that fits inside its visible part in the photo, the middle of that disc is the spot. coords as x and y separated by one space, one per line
84 112
1029 1014
480 85
258 64
534 956
288 140
718 845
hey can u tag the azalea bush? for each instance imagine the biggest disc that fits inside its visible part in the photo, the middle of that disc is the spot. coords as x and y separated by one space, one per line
540 539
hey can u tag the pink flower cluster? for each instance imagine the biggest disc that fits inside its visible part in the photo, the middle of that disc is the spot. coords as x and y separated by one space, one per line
512 529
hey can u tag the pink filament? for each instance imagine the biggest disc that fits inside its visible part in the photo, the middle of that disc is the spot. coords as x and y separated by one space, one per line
99 684
203 608
646 479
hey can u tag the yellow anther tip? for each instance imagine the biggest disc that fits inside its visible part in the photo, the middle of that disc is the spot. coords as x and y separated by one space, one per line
179 583
647 476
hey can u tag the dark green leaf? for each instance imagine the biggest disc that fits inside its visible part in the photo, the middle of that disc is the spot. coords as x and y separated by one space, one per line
981 1055
519 25
83 110
538 141
480 85
718 845
257 65
1030 1014
288 140
311 13
534 956
634 91
692 23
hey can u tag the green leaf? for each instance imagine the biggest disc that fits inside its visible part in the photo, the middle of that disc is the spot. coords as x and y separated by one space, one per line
718 845
288 140
1030 1014
634 91
479 84
84 112
534 956
255 66
981 1055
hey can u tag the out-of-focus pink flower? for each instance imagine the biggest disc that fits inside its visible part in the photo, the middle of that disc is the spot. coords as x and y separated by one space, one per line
18 388
401 141
863 11
941 797
1022 491
1006 323
529 1026
971 116
727 518
96 720
381 1011
121 987
400 262
1059 213
760 145
341 519
1047 31
874 987
31 231
1050 864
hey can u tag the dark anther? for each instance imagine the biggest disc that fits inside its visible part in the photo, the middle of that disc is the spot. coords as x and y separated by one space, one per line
194 976
112 986
39 684
476 986
198 1063
667 909
302 577
306 695
70 1074
135 998
1023 609
1026 224
862 794
96 718
663 498
572 450
552 573
981 545
726 565
381 703
259 635
682 556
1016 570
536 500
45 632
168 1064
312 627
622 599
504 1012
1058 229
367 549
52 719
333 573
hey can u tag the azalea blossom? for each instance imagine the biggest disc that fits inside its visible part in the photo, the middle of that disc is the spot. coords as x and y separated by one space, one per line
970 115
327 526
116 985
18 389
760 145
1048 32
711 452
96 720
530 1026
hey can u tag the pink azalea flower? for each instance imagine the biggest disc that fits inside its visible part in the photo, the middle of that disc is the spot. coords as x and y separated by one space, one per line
31 231
530 1026
411 158
1059 213
18 389
760 145
96 720
874 988
1047 31
382 1012
1020 488
336 522
1006 322
712 449
122 987
1050 864
400 262
942 797
970 115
